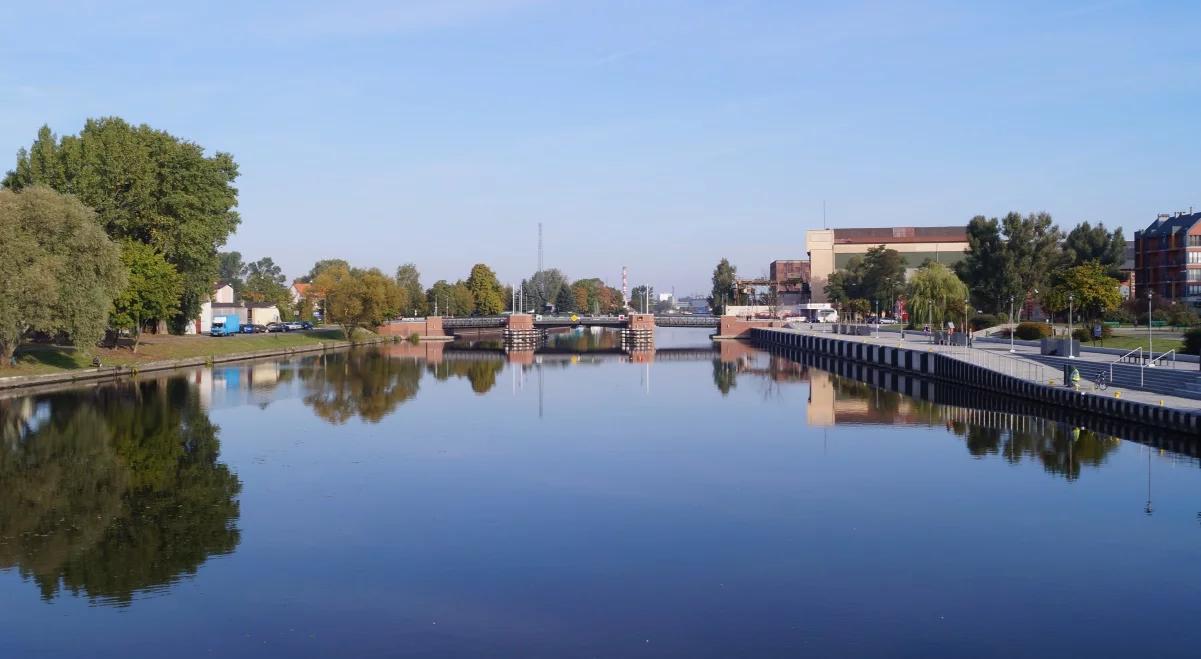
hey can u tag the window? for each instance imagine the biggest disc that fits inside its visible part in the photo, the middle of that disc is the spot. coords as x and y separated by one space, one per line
1194 289
1194 274
1194 241
1194 258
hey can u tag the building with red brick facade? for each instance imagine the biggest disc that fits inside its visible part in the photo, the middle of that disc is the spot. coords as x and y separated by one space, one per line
1167 258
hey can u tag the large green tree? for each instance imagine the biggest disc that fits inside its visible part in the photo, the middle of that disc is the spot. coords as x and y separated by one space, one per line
145 185
1086 243
409 280
357 298
152 293
486 290
1091 290
935 294
230 270
322 266
1010 257
59 272
642 298
724 291
878 277
565 301
265 285
542 288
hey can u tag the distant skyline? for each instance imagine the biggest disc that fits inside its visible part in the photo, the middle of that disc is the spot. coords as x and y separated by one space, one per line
660 136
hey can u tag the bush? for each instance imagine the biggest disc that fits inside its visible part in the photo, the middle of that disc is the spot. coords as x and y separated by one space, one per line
1120 315
1183 317
1158 314
1032 331
982 321
1192 341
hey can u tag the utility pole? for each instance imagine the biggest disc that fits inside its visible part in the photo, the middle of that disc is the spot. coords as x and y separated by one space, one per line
541 279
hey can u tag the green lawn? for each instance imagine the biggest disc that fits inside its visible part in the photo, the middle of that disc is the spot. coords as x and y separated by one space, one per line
35 359
1130 342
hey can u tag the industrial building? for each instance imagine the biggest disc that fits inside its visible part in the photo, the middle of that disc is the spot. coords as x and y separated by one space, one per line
831 249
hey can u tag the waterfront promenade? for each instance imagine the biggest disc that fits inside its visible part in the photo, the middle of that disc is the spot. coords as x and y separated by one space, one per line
990 365
995 354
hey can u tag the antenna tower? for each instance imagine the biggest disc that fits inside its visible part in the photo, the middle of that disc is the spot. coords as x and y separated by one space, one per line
625 285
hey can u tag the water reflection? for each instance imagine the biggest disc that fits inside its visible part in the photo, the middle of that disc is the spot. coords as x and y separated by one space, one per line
113 491
368 384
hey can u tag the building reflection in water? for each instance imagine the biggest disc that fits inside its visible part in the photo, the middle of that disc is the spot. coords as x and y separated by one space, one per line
371 383
113 492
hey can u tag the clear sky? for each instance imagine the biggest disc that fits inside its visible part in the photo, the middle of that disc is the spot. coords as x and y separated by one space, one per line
661 135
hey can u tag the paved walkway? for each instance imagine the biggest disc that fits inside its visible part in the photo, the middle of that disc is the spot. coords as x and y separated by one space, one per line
997 357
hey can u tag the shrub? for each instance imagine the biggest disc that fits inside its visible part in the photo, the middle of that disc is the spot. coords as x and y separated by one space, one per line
1183 317
1120 315
1032 331
982 321
1192 341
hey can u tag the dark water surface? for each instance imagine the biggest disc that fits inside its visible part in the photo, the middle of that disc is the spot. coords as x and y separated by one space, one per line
421 501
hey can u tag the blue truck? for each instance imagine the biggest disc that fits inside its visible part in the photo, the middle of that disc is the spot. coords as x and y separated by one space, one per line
225 326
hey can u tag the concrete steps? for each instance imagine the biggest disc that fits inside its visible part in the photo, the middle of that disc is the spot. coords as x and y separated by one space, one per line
1160 380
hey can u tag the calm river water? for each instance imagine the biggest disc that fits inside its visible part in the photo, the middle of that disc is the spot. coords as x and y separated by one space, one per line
421 501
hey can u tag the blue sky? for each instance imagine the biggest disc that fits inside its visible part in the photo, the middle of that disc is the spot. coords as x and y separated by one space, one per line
660 135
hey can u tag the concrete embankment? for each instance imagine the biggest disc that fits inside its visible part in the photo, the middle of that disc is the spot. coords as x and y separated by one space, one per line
31 382
941 368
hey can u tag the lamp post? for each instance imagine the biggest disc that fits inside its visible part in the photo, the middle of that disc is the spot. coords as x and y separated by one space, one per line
1150 339
877 303
1071 298
967 325
1013 324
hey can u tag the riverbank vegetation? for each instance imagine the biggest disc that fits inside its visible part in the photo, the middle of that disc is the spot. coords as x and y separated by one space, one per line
41 358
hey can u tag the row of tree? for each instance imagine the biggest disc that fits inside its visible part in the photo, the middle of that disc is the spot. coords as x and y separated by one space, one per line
1008 261
116 228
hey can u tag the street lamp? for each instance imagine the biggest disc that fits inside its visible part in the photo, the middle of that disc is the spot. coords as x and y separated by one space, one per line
1071 327
1013 325
1150 339
877 303
967 325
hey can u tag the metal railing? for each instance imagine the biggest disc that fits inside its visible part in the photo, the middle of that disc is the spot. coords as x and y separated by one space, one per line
1124 358
1172 352
1004 363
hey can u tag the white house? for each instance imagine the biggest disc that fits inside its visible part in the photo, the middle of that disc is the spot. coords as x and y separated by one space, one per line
223 294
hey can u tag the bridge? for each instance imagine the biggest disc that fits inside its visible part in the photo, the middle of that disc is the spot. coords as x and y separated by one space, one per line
637 328
549 322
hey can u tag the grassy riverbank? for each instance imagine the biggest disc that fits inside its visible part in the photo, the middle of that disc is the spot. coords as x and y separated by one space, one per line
36 359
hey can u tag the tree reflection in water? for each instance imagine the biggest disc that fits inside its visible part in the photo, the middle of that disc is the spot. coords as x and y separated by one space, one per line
481 373
359 383
113 491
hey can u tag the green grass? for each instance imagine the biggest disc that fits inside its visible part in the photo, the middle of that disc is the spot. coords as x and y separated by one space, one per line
36 359
1162 343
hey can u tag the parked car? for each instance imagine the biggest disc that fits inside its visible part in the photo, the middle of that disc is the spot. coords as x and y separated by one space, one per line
294 325
304 324
277 327
253 329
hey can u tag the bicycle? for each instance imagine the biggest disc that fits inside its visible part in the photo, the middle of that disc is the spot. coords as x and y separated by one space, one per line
1101 382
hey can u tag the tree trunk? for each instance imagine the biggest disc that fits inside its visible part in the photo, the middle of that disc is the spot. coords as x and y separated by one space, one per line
7 350
137 337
